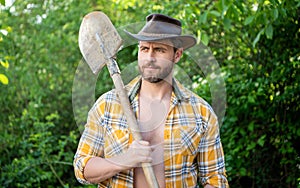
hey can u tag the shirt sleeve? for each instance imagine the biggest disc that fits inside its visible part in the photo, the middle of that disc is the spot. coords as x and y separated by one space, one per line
90 144
211 161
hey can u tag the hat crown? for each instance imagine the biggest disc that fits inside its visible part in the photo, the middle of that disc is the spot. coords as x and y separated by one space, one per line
161 24
161 27
163 18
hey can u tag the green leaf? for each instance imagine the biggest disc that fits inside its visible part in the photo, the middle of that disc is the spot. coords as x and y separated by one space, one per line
251 146
3 79
249 20
275 13
269 31
261 140
224 9
215 13
243 171
251 126
5 64
227 23
257 38
204 39
203 17
251 99
2 2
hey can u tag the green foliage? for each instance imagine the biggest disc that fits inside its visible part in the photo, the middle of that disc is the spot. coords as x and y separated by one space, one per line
40 155
39 135
256 44
4 59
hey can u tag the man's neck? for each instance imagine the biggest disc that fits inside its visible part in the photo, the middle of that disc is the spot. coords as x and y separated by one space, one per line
157 91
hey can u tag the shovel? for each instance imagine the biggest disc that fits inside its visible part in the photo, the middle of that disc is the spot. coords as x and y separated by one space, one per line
99 43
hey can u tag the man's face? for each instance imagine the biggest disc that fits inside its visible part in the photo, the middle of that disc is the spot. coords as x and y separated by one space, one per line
156 60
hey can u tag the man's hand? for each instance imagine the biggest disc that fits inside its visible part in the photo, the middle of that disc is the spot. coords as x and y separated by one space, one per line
137 153
208 186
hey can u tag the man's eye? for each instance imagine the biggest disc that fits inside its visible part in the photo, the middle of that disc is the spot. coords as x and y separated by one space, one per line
160 50
143 49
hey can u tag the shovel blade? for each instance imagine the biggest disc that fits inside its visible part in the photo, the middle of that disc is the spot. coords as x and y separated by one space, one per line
98 40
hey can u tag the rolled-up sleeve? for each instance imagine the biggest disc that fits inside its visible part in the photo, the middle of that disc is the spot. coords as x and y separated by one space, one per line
90 144
211 160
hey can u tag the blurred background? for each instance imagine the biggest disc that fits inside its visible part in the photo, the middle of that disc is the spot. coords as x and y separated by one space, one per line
256 44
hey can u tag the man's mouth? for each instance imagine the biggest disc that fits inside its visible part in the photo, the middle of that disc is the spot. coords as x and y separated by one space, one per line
151 67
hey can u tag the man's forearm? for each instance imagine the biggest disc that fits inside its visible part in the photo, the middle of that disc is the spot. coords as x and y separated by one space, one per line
208 186
99 169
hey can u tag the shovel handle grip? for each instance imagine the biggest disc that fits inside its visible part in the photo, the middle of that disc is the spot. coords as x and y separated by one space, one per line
130 117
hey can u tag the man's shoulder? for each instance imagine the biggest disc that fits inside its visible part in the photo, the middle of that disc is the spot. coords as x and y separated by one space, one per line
111 96
193 99
189 95
197 99
108 96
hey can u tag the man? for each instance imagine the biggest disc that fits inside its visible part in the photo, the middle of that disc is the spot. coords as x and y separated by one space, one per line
179 129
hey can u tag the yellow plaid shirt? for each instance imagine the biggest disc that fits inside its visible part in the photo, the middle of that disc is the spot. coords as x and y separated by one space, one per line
193 153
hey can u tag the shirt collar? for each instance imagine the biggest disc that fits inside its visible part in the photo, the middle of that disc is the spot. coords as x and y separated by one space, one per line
179 91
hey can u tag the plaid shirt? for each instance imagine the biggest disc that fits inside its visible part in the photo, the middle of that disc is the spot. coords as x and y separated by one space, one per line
193 153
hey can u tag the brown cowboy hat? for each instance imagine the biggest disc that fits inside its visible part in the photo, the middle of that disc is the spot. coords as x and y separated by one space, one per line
160 27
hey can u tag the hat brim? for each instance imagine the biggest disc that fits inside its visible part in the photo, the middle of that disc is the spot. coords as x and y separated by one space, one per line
187 41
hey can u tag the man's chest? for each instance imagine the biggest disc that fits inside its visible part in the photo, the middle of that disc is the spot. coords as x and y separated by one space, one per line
151 118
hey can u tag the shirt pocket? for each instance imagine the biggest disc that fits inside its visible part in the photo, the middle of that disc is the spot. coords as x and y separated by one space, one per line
117 141
190 138
185 140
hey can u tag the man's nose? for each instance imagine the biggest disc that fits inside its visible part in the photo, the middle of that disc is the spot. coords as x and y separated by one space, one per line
151 55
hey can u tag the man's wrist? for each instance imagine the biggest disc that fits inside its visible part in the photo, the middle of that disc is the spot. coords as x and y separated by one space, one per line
208 186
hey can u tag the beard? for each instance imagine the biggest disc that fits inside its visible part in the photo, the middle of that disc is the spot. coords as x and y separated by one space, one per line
160 74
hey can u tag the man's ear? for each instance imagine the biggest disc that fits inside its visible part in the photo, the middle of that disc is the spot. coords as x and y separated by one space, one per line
178 55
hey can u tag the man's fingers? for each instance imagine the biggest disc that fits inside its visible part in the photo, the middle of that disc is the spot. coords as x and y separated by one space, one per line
143 142
146 143
148 160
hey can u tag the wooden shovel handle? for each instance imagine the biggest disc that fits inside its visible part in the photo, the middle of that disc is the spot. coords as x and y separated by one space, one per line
130 117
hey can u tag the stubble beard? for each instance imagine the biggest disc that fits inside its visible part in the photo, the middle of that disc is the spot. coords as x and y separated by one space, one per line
156 78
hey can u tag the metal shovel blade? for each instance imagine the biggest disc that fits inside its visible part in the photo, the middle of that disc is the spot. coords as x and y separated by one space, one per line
98 40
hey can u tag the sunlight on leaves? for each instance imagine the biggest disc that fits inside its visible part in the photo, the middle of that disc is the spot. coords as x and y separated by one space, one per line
5 64
3 79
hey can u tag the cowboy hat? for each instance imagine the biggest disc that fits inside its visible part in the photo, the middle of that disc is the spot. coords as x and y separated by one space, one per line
160 27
